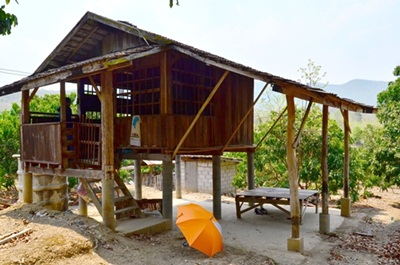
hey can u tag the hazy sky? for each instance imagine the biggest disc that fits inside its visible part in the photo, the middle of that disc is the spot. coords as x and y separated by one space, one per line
349 39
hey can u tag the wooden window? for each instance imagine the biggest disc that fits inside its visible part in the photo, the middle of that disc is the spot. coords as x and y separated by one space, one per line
88 89
192 83
138 91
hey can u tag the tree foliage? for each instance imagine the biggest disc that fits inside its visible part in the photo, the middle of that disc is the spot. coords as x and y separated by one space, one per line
270 157
7 20
311 75
10 133
388 114
49 103
9 145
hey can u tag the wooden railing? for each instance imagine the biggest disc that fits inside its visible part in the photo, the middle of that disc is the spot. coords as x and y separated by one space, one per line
90 144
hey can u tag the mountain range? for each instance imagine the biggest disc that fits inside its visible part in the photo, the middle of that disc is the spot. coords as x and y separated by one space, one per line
360 90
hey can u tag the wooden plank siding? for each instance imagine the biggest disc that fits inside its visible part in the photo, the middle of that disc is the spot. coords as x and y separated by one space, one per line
42 142
183 91
233 101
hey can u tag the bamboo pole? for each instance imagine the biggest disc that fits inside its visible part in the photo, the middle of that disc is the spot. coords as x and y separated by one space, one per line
8 238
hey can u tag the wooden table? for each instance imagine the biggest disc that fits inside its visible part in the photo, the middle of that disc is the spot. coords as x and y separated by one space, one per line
276 197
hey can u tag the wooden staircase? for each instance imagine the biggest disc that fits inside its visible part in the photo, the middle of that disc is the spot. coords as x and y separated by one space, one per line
125 205
130 218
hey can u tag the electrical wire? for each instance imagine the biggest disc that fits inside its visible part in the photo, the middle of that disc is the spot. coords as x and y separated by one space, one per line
13 72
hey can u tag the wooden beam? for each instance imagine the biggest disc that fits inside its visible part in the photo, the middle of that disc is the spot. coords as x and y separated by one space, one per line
244 118
217 86
270 129
147 156
94 85
82 69
292 169
324 160
32 94
303 121
164 87
79 173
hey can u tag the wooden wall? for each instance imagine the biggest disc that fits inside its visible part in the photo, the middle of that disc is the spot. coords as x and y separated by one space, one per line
187 79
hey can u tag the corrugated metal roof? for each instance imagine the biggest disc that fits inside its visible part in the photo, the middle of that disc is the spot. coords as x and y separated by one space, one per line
78 54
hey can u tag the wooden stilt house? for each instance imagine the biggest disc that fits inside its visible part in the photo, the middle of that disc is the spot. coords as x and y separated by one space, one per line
143 96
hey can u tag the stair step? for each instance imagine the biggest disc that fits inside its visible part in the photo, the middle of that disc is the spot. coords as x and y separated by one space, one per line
93 180
96 190
127 209
122 198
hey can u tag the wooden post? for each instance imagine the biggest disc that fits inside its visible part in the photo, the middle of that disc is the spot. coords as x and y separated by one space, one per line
138 179
295 243
107 132
27 178
167 208
178 175
324 216
345 209
216 160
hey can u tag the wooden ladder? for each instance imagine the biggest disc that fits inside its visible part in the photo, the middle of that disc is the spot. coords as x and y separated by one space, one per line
125 206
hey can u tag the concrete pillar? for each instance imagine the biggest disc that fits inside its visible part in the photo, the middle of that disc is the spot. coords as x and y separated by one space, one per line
250 170
20 174
167 208
107 200
178 175
324 223
138 179
217 187
295 244
50 191
345 207
27 188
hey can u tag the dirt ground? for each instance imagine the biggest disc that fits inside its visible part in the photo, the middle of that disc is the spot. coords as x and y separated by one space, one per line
371 236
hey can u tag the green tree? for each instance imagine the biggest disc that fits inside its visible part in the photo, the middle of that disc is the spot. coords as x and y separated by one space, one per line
368 144
10 133
311 75
7 20
9 145
49 103
389 116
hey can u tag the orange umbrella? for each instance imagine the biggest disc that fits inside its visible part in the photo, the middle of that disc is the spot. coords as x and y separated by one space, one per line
200 228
